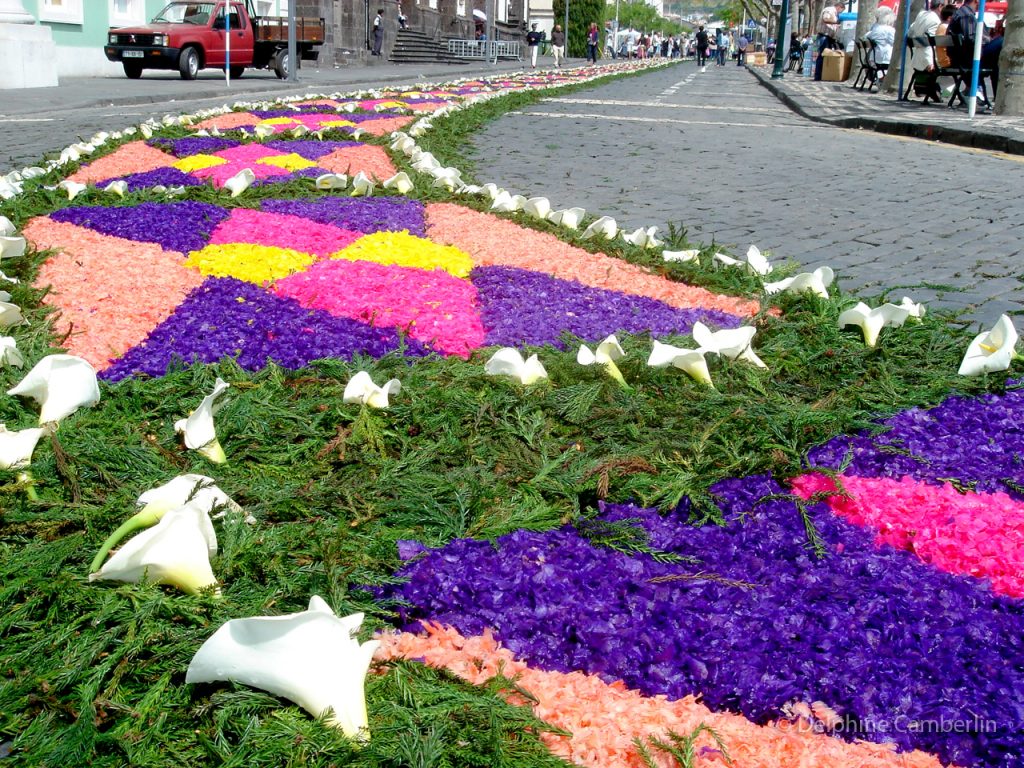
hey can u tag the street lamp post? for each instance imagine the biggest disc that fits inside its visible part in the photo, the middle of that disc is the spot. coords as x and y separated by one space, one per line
777 70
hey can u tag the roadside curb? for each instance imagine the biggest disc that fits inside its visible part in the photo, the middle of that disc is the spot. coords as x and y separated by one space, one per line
944 134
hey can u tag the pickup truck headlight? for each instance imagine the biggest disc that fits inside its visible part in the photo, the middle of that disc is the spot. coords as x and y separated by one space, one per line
112 38
160 40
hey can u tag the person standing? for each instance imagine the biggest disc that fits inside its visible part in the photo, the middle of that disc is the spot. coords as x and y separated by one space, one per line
533 38
558 44
702 49
741 50
592 40
828 33
378 31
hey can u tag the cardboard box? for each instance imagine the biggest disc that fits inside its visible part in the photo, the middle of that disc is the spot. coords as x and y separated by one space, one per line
836 66
757 59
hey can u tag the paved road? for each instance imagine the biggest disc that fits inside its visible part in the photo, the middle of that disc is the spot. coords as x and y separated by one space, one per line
717 153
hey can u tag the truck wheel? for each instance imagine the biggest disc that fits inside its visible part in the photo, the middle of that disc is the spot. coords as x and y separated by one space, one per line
281 64
132 70
188 64
236 72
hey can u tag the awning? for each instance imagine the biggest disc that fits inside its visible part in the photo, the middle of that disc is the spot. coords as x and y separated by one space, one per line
479 15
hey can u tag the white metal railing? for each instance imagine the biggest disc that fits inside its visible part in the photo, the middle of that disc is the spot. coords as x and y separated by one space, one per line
485 49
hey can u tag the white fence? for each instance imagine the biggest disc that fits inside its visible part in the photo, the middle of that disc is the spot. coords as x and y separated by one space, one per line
488 50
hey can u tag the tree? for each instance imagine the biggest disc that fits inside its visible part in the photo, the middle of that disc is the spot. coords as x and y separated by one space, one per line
892 77
1010 97
581 14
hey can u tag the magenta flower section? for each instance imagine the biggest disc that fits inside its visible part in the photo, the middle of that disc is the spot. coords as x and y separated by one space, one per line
903 652
976 534
184 226
226 317
520 306
245 225
430 306
976 440
367 215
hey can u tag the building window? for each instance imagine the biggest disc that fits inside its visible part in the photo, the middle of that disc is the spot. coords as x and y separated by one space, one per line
460 8
264 7
61 11
127 12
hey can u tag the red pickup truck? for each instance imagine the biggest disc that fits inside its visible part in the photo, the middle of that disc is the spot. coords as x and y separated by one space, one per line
188 36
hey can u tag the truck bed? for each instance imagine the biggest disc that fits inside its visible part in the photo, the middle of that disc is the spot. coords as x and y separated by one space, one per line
275 29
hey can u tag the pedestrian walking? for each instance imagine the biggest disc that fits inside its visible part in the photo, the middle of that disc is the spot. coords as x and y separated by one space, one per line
702 49
722 46
558 45
378 31
592 39
533 38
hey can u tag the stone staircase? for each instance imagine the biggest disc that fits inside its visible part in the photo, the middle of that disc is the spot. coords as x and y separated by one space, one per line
414 47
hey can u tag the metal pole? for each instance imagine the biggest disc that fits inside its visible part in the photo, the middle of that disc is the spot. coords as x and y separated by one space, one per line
293 74
777 70
227 45
567 29
903 54
979 32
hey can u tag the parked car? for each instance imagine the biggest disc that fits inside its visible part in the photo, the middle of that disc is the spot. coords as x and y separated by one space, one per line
189 36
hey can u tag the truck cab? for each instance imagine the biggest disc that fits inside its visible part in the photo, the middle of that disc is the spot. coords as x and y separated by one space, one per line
188 36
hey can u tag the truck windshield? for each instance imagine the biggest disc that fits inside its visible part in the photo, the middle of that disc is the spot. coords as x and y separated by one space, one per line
186 13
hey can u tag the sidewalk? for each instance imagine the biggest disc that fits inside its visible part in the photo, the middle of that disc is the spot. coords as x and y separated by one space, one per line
841 105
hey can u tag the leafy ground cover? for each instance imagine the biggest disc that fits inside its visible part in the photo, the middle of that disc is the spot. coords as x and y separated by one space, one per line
472 500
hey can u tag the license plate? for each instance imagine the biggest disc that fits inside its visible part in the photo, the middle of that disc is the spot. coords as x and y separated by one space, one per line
133 55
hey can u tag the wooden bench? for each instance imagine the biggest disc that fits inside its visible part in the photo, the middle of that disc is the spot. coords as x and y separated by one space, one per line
961 57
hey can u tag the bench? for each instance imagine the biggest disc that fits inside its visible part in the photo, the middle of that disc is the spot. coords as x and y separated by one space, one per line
961 57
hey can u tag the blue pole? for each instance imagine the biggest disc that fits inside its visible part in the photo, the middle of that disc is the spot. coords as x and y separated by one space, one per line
979 33
227 44
903 54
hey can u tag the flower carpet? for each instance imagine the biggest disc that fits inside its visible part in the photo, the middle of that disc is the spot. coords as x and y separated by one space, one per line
530 553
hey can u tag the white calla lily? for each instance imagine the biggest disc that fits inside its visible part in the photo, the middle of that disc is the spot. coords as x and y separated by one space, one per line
643 238
400 182
16 448
146 131
728 261
425 164
176 552
914 309
10 314
507 203
332 181
12 247
72 188
198 429
6 227
61 384
691 361
491 189
361 389
298 131
872 321
262 131
538 207
9 353
569 218
992 350
817 282
608 353
757 262
311 658
509 362
362 185
118 187
692 254
605 227
731 343
358 133
240 182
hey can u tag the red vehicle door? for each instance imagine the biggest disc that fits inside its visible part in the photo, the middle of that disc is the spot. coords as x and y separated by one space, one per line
234 30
